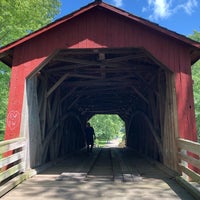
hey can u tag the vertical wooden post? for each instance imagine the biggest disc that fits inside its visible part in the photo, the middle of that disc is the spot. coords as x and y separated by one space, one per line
24 130
170 125
30 125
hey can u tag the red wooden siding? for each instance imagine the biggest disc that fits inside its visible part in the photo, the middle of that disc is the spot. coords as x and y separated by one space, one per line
99 29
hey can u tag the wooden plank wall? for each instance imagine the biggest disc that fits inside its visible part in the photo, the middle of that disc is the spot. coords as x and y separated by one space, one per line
51 130
154 133
170 132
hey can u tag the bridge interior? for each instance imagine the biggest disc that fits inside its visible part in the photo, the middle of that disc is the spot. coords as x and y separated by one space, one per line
73 85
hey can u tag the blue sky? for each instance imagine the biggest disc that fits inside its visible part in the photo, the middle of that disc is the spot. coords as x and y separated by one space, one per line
181 16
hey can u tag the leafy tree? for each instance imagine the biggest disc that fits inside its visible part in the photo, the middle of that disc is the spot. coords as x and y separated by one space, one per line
17 19
4 82
196 85
196 89
20 17
195 36
107 127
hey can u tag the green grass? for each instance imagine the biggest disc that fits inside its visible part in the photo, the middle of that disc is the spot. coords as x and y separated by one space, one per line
100 143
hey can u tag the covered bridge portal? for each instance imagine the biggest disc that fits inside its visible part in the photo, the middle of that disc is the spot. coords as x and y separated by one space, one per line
101 60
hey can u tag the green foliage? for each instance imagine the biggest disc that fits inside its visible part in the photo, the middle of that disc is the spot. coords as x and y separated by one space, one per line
195 36
4 82
107 127
17 19
196 89
20 17
196 85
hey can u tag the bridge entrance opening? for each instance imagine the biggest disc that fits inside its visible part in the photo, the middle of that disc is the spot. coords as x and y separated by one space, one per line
72 85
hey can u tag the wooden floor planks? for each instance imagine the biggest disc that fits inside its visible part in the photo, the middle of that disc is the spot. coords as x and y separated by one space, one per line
66 180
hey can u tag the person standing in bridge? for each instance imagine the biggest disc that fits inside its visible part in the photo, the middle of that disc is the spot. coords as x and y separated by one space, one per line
90 136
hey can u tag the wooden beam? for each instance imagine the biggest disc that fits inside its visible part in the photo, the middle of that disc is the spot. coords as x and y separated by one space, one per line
9 145
191 146
10 159
170 129
103 71
124 58
153 131
42 65
193 175
54 68
106 90
57 84
78 61
99 62
145 82
100 82
6 187
11 171
75 100
140 94
68 94
189 159
84 76
101 56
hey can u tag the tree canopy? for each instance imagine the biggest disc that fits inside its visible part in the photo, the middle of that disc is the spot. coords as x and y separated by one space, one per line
17 19
107 127
4 82
20 17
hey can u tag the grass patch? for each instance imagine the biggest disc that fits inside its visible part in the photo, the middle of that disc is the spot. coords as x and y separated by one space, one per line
100 143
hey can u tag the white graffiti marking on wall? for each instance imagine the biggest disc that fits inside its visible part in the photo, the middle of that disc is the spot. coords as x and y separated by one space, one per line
13 119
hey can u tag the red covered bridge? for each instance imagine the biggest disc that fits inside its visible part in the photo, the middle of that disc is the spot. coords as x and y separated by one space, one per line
101 60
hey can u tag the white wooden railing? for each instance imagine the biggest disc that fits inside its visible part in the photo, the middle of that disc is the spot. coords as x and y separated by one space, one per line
186 147
12 165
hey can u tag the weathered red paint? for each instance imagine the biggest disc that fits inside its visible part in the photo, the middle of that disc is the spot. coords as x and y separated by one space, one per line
100 25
